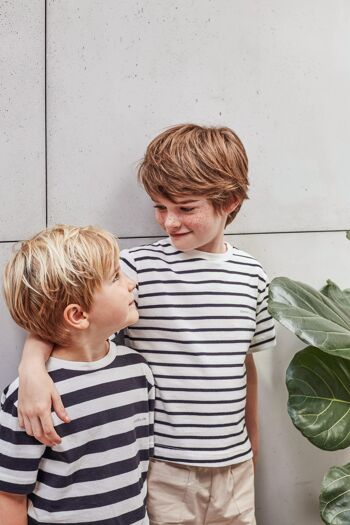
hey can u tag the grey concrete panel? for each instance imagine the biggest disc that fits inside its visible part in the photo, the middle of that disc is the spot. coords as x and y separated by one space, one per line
290 469
22 117
120 72
12 337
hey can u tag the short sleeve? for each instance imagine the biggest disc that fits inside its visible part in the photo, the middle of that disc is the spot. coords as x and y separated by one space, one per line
264 336
20 454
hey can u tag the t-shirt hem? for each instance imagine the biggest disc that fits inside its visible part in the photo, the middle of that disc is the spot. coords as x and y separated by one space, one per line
210 461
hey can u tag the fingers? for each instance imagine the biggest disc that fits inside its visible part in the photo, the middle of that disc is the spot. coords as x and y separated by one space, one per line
27 426
34 427
59 408
48 431
20 418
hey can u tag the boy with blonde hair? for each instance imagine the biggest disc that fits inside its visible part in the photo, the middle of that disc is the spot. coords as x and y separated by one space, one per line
65 285
203 312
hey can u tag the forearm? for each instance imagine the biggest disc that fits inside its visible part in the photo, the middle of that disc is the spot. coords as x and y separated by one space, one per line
35 354
37 393
13 509
251 412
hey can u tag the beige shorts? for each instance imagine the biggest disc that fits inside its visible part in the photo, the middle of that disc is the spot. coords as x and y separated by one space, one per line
190 495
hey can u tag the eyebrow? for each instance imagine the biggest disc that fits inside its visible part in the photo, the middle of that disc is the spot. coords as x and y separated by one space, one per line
180 203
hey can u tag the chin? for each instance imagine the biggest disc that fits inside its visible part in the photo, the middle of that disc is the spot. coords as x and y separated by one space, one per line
183 244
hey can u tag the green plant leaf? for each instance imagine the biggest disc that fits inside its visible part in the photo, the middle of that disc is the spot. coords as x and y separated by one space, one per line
341 297
319 397
315 318
335 496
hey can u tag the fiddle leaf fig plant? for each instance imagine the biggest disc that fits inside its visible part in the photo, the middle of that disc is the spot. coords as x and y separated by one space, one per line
318 377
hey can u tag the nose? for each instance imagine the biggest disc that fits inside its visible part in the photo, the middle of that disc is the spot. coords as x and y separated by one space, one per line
131 284
172 221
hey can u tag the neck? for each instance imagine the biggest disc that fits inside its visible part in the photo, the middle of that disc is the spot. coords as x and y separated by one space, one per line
215 246
82 349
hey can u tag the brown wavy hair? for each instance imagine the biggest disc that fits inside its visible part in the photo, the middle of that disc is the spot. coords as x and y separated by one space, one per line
188 159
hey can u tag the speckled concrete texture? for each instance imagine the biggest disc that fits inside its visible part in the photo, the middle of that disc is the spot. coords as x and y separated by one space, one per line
22 118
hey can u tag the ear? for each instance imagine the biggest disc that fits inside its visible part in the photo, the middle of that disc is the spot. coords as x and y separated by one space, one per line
75 316
231 204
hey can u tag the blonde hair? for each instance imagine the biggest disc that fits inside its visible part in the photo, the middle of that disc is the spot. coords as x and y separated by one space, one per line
204 161
61 265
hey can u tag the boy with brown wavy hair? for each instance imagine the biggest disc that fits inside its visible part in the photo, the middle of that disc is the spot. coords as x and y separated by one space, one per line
203 312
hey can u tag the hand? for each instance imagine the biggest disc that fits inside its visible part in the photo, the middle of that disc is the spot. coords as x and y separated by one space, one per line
35 399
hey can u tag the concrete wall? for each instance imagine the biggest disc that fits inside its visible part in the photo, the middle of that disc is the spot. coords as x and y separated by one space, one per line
79 107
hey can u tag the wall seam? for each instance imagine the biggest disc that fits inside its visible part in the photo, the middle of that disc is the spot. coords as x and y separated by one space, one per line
45 105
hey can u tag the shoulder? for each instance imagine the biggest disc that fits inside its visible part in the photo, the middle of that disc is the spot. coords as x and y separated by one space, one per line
130 357
134 258
9 398
162 247
248 262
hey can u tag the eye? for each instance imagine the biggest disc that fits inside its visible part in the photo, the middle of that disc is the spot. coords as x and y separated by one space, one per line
115 277
186 210
159 207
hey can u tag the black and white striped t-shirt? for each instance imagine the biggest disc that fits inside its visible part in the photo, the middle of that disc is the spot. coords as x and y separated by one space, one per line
97 474
200 313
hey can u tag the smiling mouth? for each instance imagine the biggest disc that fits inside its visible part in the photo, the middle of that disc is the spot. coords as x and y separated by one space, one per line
179 234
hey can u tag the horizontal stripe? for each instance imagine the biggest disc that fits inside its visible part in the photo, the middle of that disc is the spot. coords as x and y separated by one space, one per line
94 473
189 342
129 518
104 390
191 272
187 329
194 294
189 425
216 436
194 306
123 361
204 378
229 459
194 318
201 402
206 414
25 464
204 390
98 445
204 449
15 488
193 365
86 502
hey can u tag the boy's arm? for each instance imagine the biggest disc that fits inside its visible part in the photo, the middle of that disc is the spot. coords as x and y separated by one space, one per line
13 509
251 410
37 393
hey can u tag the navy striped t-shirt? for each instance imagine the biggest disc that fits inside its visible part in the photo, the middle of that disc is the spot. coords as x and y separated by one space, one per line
97 474
200 314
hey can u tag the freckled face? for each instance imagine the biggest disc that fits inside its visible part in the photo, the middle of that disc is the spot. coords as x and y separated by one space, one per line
191 223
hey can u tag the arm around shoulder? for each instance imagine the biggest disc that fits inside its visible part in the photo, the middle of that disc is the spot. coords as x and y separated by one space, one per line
37 393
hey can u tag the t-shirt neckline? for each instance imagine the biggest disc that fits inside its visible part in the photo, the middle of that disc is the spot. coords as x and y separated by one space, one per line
209 256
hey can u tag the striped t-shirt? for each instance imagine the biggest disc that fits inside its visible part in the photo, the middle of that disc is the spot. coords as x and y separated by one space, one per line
200 313
97 474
